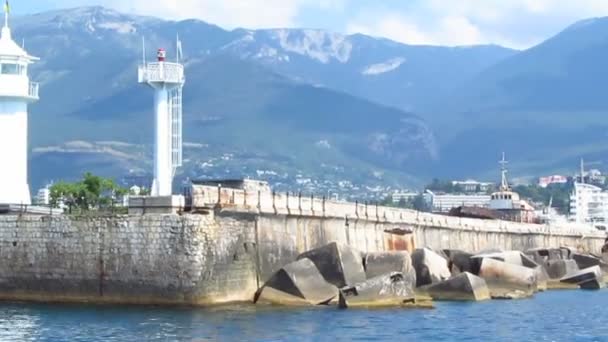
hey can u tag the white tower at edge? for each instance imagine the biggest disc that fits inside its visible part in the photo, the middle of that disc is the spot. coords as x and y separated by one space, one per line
16 92
167 80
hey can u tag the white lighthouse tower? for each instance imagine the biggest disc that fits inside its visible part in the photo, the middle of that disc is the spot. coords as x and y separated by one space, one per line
167 80
16 92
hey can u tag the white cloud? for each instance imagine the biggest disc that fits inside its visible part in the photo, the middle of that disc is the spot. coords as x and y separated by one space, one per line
450 30
515 23
227 13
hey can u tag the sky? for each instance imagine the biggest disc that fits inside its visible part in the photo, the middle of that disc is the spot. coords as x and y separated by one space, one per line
512 23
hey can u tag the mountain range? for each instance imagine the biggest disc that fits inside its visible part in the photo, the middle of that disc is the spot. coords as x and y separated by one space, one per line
310 109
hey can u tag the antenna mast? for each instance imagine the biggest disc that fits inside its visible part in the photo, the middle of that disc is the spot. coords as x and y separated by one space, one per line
143 50
582 171
7 10
504 184
179 52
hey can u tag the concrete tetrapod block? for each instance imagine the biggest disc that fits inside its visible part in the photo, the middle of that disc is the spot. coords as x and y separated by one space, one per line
511 257
557 269
430 267
508 281
465 286
587 278
339 264
542 278
298 283
541 255
393 289
585 261
380 263
460 262
521 259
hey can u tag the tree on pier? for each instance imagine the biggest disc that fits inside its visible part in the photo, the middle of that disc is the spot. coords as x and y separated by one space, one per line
91 193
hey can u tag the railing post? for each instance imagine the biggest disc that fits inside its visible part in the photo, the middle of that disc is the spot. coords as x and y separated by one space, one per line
259 200
324 205
312 204
219 194
300 202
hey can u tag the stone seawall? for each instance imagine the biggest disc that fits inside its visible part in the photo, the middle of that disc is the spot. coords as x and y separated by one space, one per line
151 259
223 251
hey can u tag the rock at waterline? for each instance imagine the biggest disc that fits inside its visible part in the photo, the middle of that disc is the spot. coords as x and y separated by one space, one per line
393 289
380 263
298 283
339 264
430 267
508 280
463 287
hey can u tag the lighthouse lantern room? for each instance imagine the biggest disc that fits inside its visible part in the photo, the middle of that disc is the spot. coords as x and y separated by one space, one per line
16 92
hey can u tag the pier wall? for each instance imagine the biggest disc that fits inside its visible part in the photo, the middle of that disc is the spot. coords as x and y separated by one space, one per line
224 250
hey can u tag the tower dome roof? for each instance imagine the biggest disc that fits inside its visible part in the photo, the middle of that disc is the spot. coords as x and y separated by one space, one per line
8 47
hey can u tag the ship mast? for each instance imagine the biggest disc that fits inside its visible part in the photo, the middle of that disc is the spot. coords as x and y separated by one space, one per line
504 183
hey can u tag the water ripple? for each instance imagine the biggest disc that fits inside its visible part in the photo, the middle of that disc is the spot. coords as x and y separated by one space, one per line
551 316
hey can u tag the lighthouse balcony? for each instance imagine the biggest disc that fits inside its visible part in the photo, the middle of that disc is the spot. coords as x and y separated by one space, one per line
19 87
161 72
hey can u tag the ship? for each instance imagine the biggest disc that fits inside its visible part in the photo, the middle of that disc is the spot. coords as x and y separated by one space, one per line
505 204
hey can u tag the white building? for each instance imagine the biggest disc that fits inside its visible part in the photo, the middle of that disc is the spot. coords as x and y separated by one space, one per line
43 197
544 182
16 92
471 185
405 196
588 204
443 203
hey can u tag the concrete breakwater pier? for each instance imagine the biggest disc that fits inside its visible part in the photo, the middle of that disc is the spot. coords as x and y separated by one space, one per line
229 244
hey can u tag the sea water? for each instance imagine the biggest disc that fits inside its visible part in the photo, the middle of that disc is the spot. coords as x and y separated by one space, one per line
550 316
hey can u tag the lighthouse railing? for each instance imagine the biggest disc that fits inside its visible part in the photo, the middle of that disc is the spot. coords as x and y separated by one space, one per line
34 89
161 72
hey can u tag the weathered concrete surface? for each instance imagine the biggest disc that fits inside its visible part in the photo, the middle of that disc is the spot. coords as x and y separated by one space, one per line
520 259
460 262
380 263
585 261
339 264
393 289
430 267
463 287
298 283
511 257
507 280
557 269
582 276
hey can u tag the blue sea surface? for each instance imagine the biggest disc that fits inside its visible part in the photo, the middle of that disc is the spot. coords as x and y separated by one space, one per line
550 316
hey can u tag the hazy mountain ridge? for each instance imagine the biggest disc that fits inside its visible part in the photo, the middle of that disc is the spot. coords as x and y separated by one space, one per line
296 99
232 104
